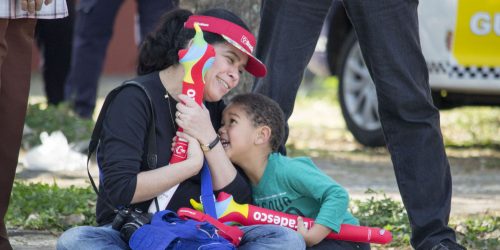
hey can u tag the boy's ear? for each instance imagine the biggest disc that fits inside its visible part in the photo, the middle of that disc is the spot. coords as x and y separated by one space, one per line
263 135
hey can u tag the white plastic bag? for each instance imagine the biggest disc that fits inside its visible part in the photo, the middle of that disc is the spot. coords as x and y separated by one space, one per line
54 154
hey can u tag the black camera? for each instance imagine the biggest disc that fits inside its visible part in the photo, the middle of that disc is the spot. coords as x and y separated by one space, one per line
127 221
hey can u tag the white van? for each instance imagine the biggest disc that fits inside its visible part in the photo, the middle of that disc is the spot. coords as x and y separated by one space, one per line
460 41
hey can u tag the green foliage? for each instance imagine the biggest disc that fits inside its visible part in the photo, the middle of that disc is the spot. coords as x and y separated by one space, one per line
317 104
319 88
384 213
49 207
474 231
471 127
41 117
479 232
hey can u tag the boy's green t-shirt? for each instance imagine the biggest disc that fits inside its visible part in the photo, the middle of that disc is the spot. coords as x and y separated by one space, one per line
297 186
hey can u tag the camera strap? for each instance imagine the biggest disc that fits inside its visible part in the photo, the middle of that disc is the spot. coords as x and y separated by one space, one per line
152 157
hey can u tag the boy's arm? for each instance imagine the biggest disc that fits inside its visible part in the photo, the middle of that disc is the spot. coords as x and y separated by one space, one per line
314 235
244 214
312 182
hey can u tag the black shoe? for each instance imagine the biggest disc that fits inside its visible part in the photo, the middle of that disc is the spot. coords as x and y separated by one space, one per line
448 245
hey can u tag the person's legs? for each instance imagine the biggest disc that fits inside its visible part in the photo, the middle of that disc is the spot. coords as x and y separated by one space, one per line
16 37
93 30
150 12
87 237
54 39
288 33
264 237
389 39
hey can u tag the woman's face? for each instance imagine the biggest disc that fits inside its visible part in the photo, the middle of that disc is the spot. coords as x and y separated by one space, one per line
225 72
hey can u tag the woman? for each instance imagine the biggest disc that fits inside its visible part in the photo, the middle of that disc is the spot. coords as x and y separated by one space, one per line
125 178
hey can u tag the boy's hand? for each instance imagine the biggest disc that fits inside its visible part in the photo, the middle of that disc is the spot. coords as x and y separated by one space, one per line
301 228
314 235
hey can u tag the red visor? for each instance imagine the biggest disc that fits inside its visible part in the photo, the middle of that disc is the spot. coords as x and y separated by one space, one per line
235 35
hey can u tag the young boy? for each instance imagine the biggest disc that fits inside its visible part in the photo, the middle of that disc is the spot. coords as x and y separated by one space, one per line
252 129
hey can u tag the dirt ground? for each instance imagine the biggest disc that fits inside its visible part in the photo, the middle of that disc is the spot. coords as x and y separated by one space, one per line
476 189
475 172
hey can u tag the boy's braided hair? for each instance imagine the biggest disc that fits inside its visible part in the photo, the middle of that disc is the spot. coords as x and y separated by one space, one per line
262 110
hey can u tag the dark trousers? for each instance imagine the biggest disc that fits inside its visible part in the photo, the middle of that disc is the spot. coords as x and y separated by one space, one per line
16 38
388 34
54 38
93 30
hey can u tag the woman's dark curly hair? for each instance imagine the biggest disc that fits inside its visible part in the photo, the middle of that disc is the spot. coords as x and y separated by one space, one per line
263 111
159 49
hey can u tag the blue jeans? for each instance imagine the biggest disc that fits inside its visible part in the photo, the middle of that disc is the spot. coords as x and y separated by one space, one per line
255 238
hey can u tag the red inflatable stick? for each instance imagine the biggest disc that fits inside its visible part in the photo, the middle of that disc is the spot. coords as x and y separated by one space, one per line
196 61
230 211
233 234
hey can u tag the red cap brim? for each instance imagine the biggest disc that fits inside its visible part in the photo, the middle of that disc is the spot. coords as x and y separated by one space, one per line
235 35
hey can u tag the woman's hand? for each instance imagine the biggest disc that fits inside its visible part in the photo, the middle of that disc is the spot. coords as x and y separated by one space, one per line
195 154
194 119
152 183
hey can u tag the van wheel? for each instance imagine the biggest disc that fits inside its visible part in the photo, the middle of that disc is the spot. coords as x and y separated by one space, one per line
357 95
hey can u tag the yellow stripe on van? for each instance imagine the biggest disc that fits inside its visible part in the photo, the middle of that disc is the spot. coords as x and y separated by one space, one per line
477 33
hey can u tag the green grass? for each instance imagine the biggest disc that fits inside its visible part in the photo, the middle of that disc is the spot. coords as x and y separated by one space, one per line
385 213
49 207
324 89
467 127
479 231
317 124
41 117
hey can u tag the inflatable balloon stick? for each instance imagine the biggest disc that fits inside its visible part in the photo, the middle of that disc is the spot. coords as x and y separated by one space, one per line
233 234
196 60
245 214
